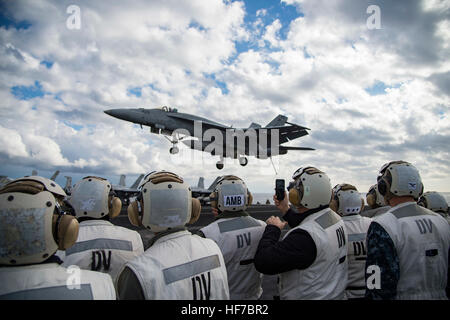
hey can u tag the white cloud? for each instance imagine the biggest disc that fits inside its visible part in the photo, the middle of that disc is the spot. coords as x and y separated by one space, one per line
175 52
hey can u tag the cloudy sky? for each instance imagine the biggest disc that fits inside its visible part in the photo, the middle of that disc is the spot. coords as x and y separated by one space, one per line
371 90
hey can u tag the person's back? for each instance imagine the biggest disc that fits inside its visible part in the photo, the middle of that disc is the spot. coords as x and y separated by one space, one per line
101 246
177 265
409 244
182 266
312 257
347 202
237 235
33 226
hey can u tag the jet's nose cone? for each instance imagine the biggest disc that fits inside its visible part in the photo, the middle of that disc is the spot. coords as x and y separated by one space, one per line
118 113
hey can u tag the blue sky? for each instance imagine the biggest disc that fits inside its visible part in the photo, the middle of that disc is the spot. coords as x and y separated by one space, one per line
369 96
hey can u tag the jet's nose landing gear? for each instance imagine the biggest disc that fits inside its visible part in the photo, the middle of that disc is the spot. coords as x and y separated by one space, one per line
219 165
174 150
243 161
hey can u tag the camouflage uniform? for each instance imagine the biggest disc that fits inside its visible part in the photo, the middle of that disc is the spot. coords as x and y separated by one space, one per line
382 253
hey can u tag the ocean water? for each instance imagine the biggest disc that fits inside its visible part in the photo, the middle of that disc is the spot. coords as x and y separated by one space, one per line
263 197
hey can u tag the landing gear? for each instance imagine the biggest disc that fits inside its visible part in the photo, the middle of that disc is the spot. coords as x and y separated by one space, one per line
174 149
219 164
243 161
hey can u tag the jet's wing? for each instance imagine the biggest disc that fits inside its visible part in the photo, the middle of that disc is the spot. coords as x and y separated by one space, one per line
288 133
206 123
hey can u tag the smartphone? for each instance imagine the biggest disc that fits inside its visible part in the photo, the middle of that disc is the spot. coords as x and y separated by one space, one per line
279 189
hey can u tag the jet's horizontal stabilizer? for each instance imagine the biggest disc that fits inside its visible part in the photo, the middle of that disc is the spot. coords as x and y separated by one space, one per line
278 121
296 148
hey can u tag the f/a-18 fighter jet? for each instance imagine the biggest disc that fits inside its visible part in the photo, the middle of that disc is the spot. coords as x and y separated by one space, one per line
215 138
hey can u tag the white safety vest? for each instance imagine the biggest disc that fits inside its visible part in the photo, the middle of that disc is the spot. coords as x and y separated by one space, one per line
238 239
102 246
50 281
182 266
356 227
326 278
422 240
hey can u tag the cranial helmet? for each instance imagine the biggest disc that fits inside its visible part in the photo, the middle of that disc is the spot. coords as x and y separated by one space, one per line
32 223
434 201
165 202
311 188
230 194
93 197
346 200
399 178
374 198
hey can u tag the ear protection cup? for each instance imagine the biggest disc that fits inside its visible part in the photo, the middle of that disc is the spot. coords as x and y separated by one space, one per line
133 214
213 199
196 210
115 206
382 187
250 198
334 204
65 230
294 197
371 200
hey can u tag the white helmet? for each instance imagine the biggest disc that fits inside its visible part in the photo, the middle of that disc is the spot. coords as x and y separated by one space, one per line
311 188
374 198
434 201
230 194
165 202
346 200
93 197
32 224
399 178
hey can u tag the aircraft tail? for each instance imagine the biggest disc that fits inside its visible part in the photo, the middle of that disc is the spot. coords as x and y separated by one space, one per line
278 121
136 183
53 177
201 183
122 180
213 185
295 148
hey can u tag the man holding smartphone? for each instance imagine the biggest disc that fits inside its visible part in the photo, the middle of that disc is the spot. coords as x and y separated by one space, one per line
311 257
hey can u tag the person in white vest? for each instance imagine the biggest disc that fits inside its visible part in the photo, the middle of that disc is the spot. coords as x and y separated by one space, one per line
347 202
408 246
101 246
435 202
312 257
376 205
178 265
237 235
33 226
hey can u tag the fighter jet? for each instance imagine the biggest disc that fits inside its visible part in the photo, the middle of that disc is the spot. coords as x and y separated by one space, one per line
215 138
124 192
200 192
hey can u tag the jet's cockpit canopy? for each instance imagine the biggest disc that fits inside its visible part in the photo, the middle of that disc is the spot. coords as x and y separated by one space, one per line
167 109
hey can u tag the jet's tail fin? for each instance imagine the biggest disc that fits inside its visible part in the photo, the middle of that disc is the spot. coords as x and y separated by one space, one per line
136 183
201 183
122 180
213 185
278 121
53 177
